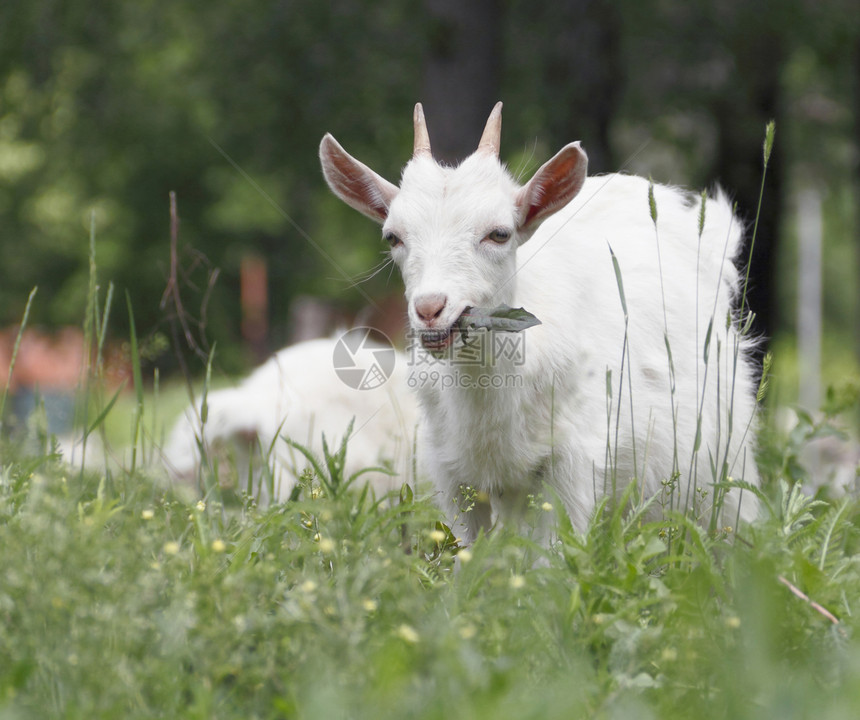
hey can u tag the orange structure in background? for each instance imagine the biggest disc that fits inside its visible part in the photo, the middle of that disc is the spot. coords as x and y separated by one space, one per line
50 365
254 301
50 361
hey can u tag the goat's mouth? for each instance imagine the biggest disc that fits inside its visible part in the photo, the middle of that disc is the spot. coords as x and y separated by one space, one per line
436 341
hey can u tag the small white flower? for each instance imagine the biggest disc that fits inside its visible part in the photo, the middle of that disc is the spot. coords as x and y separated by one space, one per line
408 633
517 582
147 514
437 536
326 545
468 631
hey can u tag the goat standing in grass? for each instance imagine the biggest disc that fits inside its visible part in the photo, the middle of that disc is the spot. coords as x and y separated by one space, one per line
637 373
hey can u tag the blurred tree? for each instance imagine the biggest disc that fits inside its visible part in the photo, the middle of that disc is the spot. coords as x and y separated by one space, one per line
572 74
106 107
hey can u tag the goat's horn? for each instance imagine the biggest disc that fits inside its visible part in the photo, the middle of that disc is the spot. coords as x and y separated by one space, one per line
491 139
422 137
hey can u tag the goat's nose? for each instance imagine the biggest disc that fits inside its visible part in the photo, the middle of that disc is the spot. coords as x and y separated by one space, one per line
429 307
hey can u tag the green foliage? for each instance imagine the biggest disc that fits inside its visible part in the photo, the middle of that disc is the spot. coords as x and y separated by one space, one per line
121 597
329 469
105 108
133 602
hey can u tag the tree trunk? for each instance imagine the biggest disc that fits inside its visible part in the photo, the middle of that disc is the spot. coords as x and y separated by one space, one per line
742 116
857 189
584 77
461 75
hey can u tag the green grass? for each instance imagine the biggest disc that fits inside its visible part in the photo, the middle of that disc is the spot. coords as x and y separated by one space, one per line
120 599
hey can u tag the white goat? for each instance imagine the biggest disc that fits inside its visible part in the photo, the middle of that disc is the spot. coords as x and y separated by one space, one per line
297 394
594 399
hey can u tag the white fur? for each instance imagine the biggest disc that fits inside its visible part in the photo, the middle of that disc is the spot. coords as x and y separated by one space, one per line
553 422
296 394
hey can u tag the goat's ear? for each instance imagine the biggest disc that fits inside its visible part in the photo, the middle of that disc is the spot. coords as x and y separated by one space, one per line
553 186
355 183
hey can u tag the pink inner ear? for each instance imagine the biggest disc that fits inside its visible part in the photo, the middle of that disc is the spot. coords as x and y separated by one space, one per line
534 207
355 183
554 185
357 186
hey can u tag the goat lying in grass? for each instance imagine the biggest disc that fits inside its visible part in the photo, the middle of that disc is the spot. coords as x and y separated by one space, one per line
638 372
297 394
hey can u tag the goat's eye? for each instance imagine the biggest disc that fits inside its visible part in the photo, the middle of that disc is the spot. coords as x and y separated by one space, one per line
499 235
392 239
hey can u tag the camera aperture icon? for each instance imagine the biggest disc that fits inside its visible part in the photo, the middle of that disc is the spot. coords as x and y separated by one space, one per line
363 358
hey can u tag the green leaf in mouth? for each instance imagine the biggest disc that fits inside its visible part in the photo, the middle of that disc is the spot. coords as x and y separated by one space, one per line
501 318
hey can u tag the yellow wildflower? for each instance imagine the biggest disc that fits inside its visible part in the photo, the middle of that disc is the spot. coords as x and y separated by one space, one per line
408 633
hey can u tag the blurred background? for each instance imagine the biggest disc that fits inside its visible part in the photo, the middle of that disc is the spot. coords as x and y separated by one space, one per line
107 107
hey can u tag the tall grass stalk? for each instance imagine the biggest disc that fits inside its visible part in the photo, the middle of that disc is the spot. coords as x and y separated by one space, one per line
767 148
137 419
652 204
208 467
15 348
90 332
624 359
92 380
745 319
